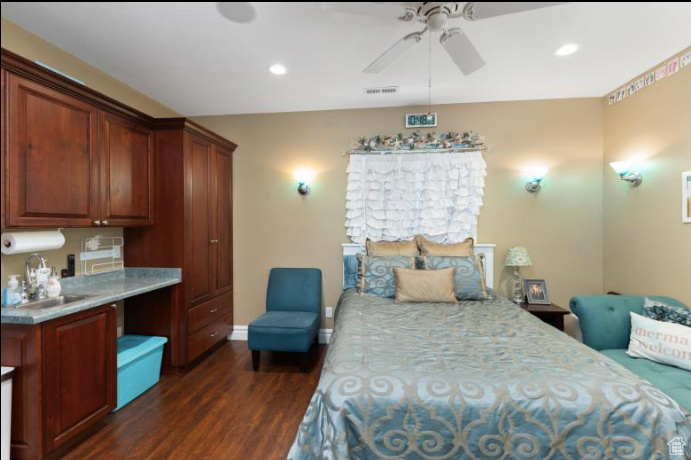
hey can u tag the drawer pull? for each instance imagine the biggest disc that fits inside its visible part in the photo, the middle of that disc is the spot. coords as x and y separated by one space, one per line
213 335
214 310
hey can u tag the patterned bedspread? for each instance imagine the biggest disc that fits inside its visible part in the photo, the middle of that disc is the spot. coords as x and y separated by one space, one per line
482 380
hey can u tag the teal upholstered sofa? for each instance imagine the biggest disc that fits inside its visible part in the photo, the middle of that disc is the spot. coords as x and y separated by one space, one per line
606 326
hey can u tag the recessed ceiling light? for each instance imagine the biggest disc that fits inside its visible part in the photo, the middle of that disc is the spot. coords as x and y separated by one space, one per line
278 69
238 12
566 50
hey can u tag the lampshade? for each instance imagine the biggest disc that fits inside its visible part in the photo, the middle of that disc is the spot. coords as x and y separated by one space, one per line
518 257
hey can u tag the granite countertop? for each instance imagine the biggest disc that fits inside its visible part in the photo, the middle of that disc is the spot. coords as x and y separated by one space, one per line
102 288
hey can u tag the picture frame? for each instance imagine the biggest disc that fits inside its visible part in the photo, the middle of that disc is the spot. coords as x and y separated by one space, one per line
686 197
536 292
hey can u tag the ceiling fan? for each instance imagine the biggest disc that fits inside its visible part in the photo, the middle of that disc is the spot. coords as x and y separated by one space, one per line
435 16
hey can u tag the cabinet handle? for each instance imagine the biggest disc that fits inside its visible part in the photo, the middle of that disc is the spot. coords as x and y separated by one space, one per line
105 222
213 241
213 335
97 223
214 310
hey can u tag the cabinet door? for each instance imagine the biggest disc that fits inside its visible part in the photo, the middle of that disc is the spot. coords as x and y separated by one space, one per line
52 169
223 215
198 234
126 165
80 373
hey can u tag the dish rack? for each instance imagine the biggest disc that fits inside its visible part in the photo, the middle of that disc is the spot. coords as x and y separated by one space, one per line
102 254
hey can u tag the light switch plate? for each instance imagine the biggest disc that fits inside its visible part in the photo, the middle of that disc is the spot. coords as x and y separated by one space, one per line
329 312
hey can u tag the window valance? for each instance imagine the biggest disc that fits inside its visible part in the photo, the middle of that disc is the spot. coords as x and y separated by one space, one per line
395 196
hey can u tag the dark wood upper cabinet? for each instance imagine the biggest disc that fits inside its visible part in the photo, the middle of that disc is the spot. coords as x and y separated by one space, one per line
127 174
73 158
53 159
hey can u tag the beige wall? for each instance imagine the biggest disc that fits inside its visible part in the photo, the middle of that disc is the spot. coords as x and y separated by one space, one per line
19 41
647 247
561 226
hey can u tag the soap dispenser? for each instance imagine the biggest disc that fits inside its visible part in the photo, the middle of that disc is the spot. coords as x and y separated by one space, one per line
53 286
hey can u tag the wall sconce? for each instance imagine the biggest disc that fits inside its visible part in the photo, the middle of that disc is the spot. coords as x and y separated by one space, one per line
536 176
304 178
626 172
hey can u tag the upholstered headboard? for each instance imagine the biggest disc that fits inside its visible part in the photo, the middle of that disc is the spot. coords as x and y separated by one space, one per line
487 250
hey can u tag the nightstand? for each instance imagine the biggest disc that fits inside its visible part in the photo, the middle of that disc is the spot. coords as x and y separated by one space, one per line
551 314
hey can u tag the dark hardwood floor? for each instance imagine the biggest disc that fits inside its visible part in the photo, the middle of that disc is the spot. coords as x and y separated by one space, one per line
219 409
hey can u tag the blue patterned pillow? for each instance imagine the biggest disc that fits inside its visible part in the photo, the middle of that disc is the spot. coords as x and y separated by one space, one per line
660 311
376 276
350 266
469 277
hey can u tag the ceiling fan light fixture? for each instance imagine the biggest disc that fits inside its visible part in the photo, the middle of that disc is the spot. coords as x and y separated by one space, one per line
566 50
278 69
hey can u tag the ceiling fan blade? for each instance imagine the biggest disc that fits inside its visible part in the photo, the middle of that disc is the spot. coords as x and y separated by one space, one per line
462 51
382 10
483 10
390 55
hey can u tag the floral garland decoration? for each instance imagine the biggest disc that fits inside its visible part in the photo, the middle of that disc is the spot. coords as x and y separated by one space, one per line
416 142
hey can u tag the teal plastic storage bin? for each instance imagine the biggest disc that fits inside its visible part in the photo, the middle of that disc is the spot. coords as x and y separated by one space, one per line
139 366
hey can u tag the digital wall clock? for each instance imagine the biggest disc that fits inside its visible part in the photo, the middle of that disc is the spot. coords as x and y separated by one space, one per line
421 120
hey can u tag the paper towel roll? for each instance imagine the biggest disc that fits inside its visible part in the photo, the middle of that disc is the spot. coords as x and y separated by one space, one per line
18 242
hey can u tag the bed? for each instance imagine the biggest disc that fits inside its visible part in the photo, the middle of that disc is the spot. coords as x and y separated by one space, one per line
481 380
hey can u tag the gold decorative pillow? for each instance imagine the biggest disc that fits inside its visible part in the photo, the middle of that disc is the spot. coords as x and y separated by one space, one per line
429 248
425 285
391 248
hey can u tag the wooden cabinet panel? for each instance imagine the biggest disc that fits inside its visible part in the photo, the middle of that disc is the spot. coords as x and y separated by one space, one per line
208 312
194 210
198 156
21 349
208 337
80 373
126 166
3 160
52 157
223 171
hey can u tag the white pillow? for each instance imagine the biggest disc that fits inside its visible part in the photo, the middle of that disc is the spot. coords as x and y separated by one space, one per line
666 343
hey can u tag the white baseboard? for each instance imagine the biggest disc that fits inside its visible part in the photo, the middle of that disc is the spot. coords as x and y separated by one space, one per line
240 333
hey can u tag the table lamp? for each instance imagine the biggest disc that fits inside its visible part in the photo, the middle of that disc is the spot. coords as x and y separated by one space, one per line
518 257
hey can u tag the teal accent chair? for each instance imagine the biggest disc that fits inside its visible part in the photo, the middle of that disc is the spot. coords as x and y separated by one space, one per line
606 326
293 314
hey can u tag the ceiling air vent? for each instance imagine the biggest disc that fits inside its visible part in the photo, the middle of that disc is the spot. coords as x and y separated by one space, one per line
381 90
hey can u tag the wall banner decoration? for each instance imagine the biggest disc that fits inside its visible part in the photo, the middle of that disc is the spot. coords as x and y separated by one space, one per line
667 69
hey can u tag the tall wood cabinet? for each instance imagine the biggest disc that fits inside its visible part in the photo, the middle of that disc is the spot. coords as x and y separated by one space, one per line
193 230
73 158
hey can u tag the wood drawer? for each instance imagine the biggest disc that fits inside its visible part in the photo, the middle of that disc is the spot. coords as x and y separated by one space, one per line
206 338
208 312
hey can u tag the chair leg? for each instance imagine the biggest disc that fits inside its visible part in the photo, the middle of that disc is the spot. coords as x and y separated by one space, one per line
304 362
255 360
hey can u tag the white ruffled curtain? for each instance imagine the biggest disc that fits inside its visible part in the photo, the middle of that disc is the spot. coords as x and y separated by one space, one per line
396 196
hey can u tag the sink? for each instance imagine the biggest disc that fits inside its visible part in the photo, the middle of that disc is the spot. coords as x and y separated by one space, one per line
54 302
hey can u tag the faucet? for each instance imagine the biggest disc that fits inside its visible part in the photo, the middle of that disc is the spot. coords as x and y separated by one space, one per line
35 290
